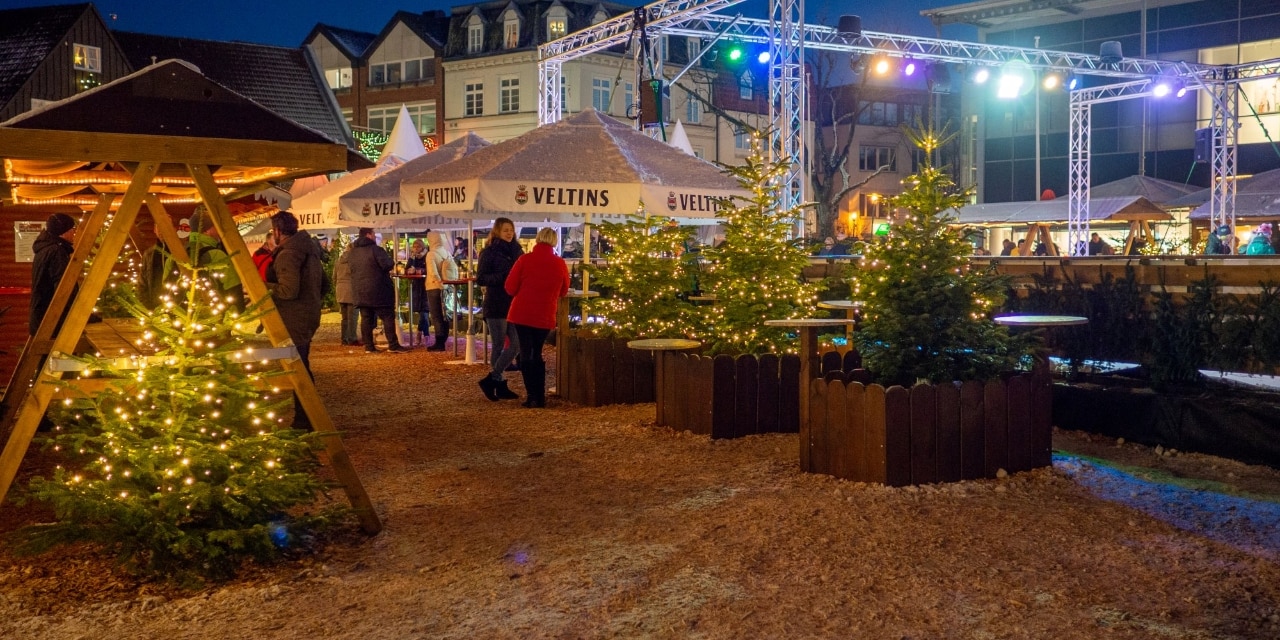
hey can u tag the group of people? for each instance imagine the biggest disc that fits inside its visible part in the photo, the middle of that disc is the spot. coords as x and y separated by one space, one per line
1222 241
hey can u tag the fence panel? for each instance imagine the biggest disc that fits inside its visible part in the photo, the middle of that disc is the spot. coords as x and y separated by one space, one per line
924 442
948 429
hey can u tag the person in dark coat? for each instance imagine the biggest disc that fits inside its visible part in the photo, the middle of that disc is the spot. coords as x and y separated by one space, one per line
346 299
416 265
295 277
53 250
374 292
496 260
536 283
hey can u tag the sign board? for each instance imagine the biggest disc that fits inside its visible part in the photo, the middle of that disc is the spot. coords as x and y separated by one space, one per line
24 235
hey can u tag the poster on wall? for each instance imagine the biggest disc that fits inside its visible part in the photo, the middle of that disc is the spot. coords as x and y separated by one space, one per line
24 235
1260 97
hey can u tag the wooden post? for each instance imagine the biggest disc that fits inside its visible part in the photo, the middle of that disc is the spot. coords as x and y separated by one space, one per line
165 231
297 373
37 399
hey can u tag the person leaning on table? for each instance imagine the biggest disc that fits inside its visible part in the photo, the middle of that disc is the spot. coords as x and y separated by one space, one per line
536 283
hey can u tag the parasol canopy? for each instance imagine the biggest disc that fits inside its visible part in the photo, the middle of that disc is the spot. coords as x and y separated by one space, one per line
585 165
377 202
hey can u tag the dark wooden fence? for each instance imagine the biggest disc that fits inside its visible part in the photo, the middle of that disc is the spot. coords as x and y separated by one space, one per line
928 433
728 397
600 371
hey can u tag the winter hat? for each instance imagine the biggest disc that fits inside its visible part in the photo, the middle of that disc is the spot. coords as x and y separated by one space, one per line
59 223
1223 230
1264 229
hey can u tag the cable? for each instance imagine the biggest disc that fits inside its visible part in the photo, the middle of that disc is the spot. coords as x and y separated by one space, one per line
1257 117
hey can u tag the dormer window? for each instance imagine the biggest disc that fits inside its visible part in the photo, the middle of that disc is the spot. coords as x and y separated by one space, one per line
693 47
475 34
600 16
86 58
557 22
510 29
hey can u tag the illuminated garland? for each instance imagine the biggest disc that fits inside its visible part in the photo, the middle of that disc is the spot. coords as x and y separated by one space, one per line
371 143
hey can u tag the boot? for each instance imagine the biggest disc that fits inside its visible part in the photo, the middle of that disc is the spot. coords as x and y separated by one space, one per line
438 345
503 392
535 377
490 388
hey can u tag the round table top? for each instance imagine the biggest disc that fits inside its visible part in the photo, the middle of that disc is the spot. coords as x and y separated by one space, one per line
579 293
1041 321
408 275
664 344
840 304
808 322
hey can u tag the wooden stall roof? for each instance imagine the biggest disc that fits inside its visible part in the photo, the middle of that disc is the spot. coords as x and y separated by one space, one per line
74 149
1051 211
1257 199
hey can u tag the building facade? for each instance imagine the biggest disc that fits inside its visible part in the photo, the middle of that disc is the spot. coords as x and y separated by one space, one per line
1152 137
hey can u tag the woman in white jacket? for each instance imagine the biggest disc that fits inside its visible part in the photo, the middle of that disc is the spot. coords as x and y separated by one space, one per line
440 267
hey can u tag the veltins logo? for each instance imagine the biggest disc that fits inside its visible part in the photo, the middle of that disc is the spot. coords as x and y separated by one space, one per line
671 200
366 211
522 194
422 196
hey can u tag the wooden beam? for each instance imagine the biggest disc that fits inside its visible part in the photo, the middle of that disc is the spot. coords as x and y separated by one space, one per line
37 399
48 144
165 231
303 386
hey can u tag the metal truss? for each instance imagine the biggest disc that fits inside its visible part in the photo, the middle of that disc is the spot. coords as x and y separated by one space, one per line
1224 127
1078 175
787 105
550 77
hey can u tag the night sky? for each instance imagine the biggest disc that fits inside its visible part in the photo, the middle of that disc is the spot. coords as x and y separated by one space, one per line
287 22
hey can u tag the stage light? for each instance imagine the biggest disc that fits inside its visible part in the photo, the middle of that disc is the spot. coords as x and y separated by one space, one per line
1161 89
880 66
981 75
763 57
1073 82
1051 81
1182 91
909 69
1010 86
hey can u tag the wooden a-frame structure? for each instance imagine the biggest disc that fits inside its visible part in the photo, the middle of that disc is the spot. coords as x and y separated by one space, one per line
116 141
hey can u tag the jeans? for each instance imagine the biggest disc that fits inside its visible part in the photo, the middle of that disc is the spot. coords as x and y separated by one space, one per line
435 303
505 344
369 317
350 322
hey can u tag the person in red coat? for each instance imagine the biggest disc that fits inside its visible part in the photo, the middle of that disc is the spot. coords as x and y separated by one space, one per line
536 283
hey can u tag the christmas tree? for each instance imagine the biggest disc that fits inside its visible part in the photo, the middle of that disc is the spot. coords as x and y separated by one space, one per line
756 272
926 312
180 465
646 280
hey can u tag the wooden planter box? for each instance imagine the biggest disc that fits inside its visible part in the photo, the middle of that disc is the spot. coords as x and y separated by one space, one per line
597 371
928 433
728 397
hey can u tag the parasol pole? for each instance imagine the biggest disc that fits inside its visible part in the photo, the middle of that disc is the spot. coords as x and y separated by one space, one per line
471 306
586 255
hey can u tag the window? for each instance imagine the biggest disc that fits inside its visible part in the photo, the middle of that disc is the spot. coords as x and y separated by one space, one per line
422 114
693 47
871 205
600 94
699 153
693 109
509 95
400 71
872 158
473 99
741 140
746 86
564 95
86 58
475 34
338 78
558 22
628 95
510 30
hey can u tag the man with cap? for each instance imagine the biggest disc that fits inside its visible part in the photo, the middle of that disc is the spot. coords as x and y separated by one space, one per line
53 253
1218 241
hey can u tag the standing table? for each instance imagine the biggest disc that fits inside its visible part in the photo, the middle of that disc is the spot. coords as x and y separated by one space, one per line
809 356
850 307
414 316
659 346
1031 321
457 291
